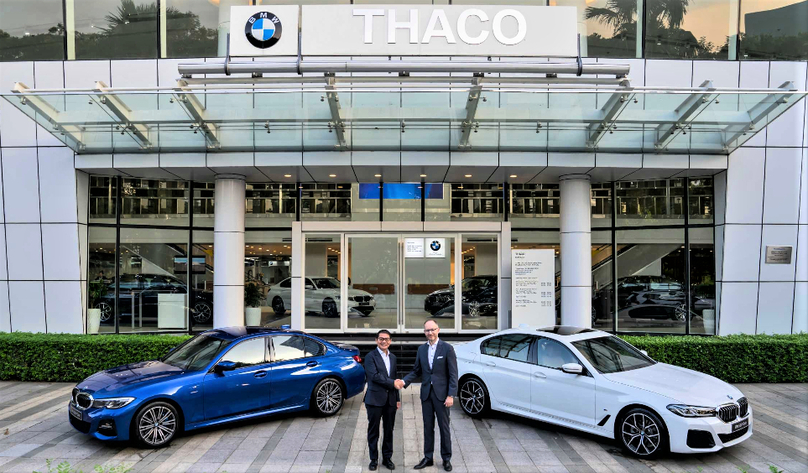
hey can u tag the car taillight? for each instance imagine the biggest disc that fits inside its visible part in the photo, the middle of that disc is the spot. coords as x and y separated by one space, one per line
357 358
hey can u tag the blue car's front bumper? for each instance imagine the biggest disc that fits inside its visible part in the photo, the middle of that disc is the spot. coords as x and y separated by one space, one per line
102 423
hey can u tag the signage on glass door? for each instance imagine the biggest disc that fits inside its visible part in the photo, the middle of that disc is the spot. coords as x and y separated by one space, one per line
425 247
404 30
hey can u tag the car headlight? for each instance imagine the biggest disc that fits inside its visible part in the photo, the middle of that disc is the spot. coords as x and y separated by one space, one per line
112 402
691 411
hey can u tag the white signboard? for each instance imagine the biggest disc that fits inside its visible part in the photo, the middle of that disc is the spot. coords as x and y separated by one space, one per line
404 30
414 248
533 287
269 30
435 247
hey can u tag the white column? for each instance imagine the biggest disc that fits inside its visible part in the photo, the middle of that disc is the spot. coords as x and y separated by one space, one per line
228 251
298 263
576 251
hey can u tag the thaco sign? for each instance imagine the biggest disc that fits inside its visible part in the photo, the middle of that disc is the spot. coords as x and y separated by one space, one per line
405 30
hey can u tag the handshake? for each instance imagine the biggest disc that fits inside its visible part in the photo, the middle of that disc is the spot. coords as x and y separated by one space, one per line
399 384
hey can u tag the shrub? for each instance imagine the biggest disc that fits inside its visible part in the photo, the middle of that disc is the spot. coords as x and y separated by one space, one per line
734 358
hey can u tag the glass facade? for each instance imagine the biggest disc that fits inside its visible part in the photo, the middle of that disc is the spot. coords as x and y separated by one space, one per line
698 29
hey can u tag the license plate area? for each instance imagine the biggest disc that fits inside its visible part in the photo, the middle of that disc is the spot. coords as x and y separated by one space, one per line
740 425
74 411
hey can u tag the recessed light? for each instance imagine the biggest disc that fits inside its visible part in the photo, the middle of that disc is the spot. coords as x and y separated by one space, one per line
513 176
423 175
332 175
377 175
468 175
287 175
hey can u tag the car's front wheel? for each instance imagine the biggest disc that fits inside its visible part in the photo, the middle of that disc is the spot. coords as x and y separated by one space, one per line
156 424
278 306
106 311
328 397
642 433
203 312
330 308
473 397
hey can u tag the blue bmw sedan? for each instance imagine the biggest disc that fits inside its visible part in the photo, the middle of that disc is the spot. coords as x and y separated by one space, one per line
219 376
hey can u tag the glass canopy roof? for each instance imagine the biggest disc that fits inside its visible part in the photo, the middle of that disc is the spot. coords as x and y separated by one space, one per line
412 113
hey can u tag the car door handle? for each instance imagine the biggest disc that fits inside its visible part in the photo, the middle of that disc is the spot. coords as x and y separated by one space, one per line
539 375
490 363
312 363
260 374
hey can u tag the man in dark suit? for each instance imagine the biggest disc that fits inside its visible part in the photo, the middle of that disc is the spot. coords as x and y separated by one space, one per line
436 365
382 399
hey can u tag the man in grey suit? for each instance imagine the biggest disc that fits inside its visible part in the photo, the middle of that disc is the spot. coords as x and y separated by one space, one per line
436 365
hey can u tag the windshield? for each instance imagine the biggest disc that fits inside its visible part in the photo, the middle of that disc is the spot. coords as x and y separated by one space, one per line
197 353
612 355
474 283
326 283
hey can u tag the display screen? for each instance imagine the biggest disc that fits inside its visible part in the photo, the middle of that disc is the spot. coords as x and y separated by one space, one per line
400 191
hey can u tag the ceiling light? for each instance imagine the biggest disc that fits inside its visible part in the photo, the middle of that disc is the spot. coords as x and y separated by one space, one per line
332 175
513 176
377 175
287 175
468 175
423 175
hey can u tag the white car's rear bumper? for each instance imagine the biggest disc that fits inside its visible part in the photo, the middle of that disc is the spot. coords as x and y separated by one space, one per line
699 427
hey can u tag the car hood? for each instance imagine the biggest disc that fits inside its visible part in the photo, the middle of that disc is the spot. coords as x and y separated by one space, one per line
448 290
679 384
128 376
357 292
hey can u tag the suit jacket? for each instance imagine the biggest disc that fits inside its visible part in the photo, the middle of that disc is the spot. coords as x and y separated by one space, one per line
443 375
381 386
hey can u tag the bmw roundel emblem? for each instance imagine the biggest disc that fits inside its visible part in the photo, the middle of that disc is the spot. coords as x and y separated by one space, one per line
263 30
434 245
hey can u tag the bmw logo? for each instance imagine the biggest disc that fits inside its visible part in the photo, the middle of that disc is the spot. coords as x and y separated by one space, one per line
263 30
730 397
434 245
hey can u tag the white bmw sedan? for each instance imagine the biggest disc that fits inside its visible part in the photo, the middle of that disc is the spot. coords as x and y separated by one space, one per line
595 382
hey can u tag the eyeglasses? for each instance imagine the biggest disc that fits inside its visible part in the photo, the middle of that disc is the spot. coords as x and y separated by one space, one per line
430 330
384 339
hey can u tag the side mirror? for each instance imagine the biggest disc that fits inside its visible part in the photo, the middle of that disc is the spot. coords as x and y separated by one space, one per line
572 368
309 286
644 352
223 366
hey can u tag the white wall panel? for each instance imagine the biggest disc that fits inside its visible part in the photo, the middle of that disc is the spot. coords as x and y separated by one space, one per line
800 323
775 305
778 235
804 188
5 317
782 186
787 129
719 252
738 308
84 74
60 250
667 73
24 243
27 301
82 195
720 196
20 185
745 186
63 306
134 73
741 252
16 129
722 73
801 273
58 190
3 265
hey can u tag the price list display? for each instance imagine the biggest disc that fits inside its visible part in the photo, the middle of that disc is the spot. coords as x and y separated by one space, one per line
533 287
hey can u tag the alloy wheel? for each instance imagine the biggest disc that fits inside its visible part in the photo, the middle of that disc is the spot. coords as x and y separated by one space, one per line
157 425
330 308
202 312
106 311
641 434
472 397
680 312
277 306
329 397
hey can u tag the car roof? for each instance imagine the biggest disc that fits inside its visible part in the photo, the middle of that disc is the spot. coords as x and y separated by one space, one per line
237 332
567 333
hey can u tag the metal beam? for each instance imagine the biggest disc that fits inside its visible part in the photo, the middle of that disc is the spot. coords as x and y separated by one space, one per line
40 106
138 131
471 110
611 112
687 111
194 108
760 111
336 122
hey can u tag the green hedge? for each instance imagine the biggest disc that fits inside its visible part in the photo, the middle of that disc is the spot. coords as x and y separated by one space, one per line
64 357
735 359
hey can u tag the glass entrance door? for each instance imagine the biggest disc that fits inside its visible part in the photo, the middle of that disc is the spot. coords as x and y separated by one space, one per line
372 299
428 281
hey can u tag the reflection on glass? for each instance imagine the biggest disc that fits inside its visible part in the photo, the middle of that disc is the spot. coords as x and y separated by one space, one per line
146 201
702 280
31 30
482 202
268 267
429 279
203 204
322 283
201 300
651 288
774 29
480 288
602 287
327 202
270 201
103 190
608 28
697 29
658 202
192 27
153 272
115 29
701 200
373 283
101 280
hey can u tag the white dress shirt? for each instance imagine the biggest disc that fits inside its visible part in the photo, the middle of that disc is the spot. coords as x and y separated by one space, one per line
386 359
433 347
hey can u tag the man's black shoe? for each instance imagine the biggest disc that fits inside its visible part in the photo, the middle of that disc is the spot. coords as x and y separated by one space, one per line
447 465
373 465
388 463
423 464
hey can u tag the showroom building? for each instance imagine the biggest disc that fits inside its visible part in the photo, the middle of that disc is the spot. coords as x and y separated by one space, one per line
342 168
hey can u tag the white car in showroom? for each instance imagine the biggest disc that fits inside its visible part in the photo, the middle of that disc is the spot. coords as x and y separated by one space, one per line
592 381
322 297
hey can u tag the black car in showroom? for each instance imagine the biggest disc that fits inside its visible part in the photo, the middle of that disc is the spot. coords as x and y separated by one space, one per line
479 298
650 297
139 296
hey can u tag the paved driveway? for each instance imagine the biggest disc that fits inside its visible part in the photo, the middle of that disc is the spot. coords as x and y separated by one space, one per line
34 427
